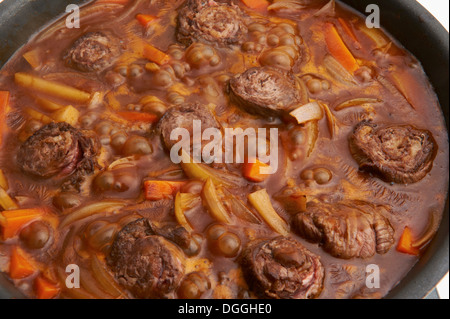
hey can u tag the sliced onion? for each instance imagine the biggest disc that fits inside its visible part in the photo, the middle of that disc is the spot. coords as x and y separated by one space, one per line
204 172
238 208
261 201
337 71
105 279
357 102
6 201
394 90
213 203
312 129
331 121
91 209
430 230
183 202
122 163
286 6
308 112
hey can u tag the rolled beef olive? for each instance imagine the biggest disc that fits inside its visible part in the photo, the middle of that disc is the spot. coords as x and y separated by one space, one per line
347 229
57 149
282 268
148 265
264 91
211 22
94 51
399 153
183 116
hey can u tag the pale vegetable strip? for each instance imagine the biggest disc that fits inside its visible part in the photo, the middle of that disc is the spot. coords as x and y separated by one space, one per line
48 105
51 88
356 102
90 210
312 129
38 116
261 201
238 208
203 172
6 201
104 278
308 112
331 122
179 212
3 180
213 203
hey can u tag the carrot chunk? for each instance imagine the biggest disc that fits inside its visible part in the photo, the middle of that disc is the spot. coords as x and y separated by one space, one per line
338 49
19 265
255 172
405 244
12 221
145 19
155 55
256 4
138 117
45 289
156 190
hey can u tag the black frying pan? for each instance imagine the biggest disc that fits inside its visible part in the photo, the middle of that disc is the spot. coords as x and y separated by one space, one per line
406 20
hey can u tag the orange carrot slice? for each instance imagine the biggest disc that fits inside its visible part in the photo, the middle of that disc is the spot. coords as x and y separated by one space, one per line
20 265
45 289
338 49
255 172
138 116
405 243
156 190
12 221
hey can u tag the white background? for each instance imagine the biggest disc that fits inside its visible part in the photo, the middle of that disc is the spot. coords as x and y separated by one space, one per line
440 9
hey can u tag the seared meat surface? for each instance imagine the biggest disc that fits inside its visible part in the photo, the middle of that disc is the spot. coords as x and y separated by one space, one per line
399 153
57 149
148 265
264 91
282 268
183 117
94 51
211 22
347 229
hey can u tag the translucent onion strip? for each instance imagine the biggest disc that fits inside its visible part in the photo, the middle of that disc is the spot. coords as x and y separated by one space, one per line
91 209
261 201
356 102
180 200
213 203
104 278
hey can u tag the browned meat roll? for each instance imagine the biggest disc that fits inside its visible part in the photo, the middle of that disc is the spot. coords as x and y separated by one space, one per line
94 51
148 265
400 153
57 149
282 268
211 22
347 229
264 91
183 116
